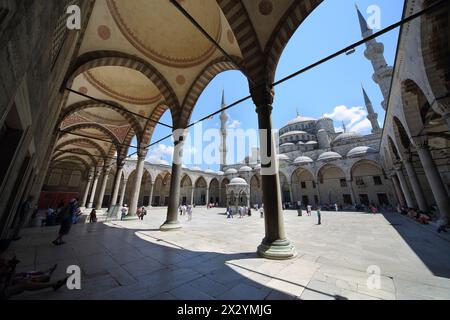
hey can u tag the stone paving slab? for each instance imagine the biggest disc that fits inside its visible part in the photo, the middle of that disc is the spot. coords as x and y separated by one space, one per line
212 257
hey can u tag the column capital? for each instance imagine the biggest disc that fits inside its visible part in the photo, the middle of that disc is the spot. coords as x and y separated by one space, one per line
420 142
397 166
262 96
442 106
97 174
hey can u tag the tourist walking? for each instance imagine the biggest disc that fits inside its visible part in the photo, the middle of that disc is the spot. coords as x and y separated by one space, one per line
261 212
124 212
308 209
336 207
93 216
319 217
66 218
142 213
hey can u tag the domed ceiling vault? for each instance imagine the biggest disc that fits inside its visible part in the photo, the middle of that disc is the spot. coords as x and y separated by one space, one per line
146 57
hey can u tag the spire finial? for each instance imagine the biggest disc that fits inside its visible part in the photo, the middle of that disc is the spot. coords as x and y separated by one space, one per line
298 113
223 97
344 127
362 21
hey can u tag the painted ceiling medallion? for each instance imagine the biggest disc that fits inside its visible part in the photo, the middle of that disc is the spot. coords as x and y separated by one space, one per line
181 80
179 44
265 7
104 32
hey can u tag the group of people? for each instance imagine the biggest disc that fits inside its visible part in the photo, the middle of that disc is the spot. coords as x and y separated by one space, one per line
423 217
242 211
186 210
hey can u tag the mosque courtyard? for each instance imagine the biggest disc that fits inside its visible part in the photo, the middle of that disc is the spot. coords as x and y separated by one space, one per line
213 257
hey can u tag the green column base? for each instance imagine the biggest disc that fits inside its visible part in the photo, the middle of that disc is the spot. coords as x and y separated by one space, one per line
170 226
277 250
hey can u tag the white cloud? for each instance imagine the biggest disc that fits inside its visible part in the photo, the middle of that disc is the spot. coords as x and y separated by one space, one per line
161 151
354 118
234 124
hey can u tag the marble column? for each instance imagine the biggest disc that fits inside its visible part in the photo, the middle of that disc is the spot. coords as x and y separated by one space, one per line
192 195
137 183
150 201
122 193
94 189
275 244
415 184
398 190
172 222
404 186
207 196
352 191
433 176
101 195
88 187
118 179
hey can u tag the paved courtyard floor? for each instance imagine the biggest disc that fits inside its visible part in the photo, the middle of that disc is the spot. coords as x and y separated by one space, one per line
214 258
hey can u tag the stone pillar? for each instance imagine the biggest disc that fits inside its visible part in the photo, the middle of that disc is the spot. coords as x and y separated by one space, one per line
137 183
94 189
275 244
88 187
433 176
404 186
398 191
116 187
207 196
151 195
172 222
106 170
415 184
192 195
352 191
122 194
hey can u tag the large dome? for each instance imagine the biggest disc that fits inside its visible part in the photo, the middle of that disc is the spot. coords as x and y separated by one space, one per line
238 181
330 155
361 151
347 136
300 119
302 160
292 133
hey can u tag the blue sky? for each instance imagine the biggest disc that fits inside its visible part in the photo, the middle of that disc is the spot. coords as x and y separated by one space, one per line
333 88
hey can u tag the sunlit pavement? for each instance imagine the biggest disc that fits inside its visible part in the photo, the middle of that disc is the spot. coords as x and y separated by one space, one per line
212 257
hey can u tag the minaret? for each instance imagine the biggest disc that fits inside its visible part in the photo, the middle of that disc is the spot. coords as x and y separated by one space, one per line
223 132
344 127
374 52
372 116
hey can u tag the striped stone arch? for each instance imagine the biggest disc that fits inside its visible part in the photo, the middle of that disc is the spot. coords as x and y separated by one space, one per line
208 73
401 136
393 149
298 11
94 144
415 106
150 125
81 152
114 139
69 110
70 159
368 161
246 37
435 35
96 59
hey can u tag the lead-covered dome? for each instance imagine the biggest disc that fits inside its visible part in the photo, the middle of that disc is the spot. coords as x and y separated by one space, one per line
302 160
300 119
361 151
329 155
231 171
238 181
245 169
346 136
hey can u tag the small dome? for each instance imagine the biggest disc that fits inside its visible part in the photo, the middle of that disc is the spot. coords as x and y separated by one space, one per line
289 144
303 160
330 155
283 157
258 166
347 136
209 171
245 169
325 118
361 151
238 181
196 169
292 133
300 143
300 119
220 173
231 171
311 142
321 130
160 161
